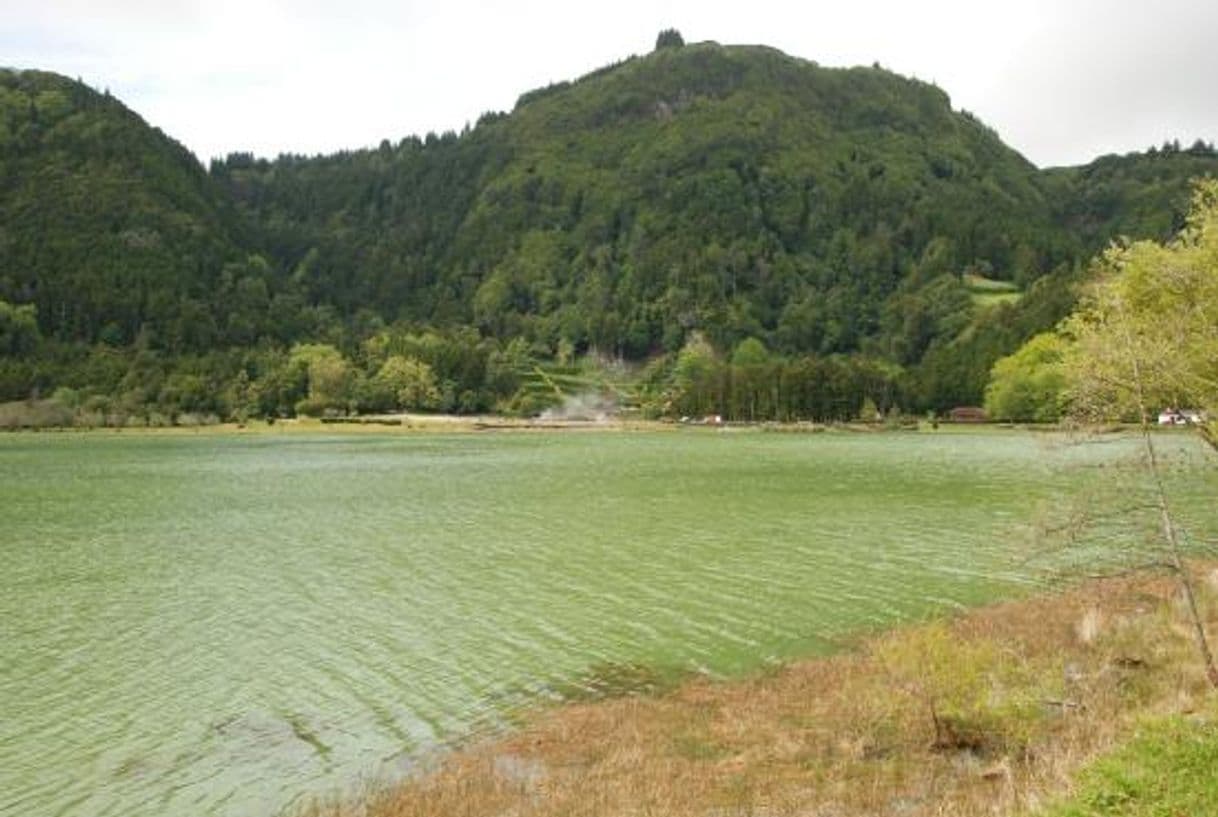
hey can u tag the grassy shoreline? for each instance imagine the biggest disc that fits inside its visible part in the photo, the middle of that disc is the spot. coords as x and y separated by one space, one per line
395 424
996 710
454 423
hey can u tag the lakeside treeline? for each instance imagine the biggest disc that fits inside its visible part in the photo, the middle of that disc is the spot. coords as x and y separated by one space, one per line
457 373
880 246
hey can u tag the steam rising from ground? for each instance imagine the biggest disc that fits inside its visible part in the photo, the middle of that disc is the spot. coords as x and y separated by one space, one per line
588 406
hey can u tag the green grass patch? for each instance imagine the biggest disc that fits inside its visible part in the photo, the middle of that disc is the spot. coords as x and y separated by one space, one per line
989 292
986 299
979 283
1169 768
549 384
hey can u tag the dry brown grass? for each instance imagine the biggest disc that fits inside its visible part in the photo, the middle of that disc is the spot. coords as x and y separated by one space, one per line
989 713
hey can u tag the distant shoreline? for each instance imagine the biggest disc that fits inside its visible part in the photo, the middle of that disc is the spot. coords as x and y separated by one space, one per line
460 423
372 424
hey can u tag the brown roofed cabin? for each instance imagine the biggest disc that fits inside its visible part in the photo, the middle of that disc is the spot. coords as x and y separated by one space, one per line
968 414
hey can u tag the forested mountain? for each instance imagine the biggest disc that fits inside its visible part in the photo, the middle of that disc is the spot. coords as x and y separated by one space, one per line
733 190
1139 195
729 193
106 225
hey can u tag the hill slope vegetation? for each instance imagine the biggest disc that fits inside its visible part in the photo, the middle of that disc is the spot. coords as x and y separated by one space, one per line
727 193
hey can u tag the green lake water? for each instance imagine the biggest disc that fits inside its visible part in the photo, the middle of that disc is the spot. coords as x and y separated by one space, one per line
229 625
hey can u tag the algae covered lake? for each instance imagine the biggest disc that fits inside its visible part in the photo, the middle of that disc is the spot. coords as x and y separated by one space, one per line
225 625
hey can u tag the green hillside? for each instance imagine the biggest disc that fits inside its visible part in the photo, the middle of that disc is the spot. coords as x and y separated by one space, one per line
733 190
1139 195
107 226
731 193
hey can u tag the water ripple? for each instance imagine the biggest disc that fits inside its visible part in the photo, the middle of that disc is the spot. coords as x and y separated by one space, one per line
222 626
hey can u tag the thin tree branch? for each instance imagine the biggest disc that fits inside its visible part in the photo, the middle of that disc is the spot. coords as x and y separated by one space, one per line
1169 527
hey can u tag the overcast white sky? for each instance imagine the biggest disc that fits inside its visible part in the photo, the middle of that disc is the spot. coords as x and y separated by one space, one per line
1062 81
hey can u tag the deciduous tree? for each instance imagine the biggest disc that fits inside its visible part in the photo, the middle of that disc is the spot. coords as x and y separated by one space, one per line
1146 336
1028 386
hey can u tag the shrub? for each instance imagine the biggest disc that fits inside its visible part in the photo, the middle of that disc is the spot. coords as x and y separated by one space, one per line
34 414
975 696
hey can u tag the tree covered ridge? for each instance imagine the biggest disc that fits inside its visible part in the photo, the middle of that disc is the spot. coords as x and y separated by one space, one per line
703 188
698 192
108 225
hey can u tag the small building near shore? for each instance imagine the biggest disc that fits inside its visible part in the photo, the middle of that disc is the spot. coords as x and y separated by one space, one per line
968 414
1180 417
